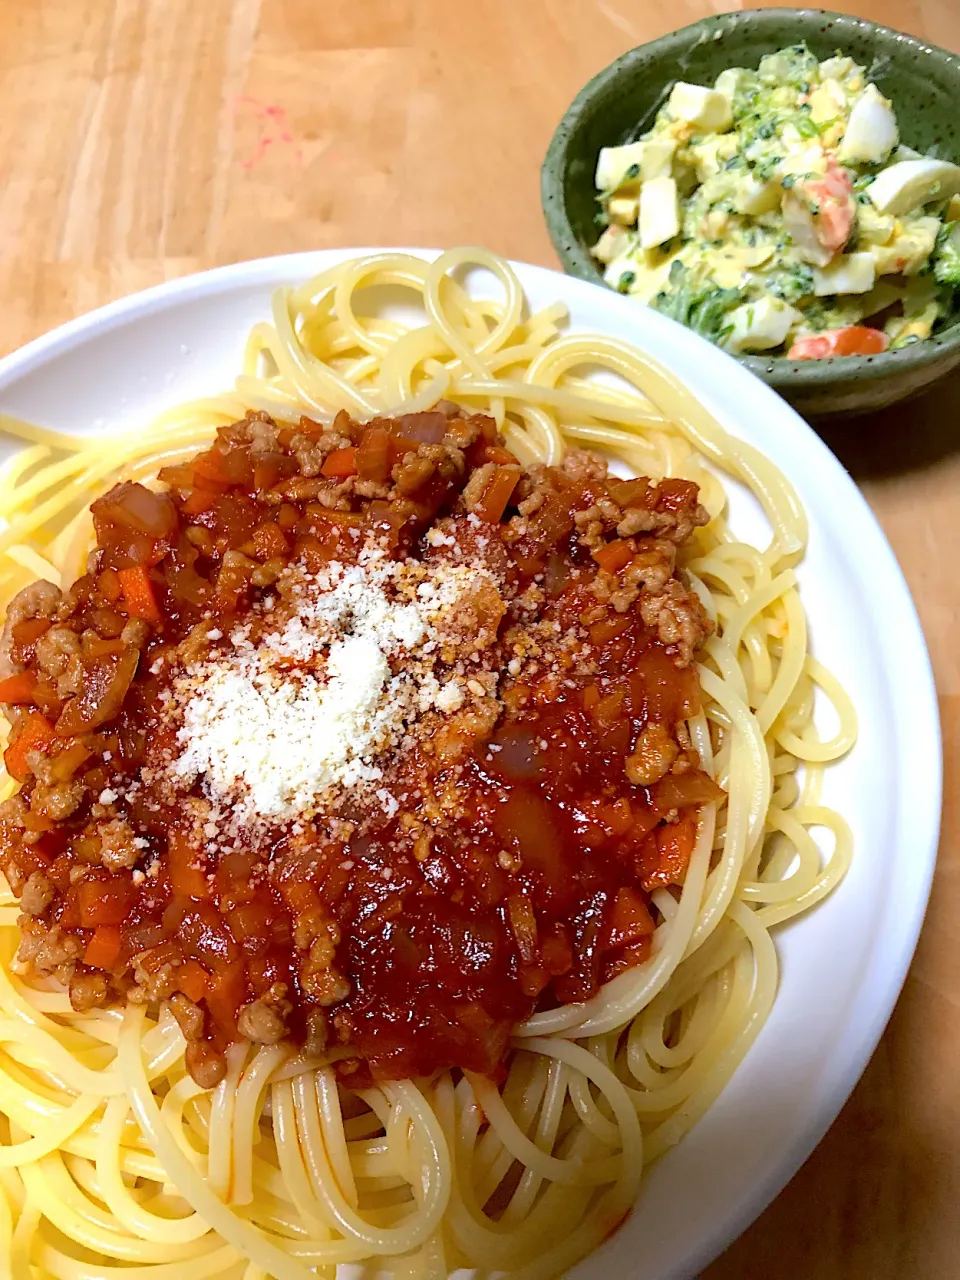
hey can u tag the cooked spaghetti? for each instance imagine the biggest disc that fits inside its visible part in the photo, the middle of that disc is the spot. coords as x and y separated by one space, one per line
398 804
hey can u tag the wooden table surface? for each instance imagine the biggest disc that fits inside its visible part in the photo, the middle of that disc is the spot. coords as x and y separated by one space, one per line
144 139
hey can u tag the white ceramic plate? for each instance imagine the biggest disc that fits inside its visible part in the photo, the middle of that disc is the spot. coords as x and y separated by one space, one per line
844 963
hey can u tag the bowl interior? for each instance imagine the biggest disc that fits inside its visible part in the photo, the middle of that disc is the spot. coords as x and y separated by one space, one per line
922 81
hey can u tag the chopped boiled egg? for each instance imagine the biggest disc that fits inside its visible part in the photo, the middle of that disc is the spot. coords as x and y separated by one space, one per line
624 208
753 196
731 81
827 101
871 130
908 250
874 227
634 162
711 155
621 271
758 326
836 68
614 242
657 158
909 183
849 273
706 109
613 164
659 212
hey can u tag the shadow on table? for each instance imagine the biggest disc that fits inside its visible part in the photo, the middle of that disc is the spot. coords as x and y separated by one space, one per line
905 437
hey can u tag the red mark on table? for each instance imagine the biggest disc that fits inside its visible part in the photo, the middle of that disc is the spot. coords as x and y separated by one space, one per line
273 131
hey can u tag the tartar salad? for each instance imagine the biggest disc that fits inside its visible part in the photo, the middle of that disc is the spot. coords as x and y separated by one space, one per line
779 211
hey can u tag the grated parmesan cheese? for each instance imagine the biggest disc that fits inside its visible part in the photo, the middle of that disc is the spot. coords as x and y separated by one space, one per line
278 726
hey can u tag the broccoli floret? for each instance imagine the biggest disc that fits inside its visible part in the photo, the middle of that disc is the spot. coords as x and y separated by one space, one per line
946 255
703 308
792 283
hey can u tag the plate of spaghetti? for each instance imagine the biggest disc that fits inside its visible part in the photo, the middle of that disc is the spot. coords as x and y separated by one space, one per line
470 790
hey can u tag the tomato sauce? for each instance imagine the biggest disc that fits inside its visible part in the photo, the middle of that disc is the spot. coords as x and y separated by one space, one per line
517 870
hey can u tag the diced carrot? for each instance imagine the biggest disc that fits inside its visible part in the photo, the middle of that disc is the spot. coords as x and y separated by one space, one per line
69 916
493 501
664 855
609 628
852 340
373 455
186 879
193 980
340 464
98 647
37 734
30 630
18 688
201 500
138 593
628 919
269 541
103 949
627 957
609 710
209 466
502 457
225 994
613 556
616 817
106 901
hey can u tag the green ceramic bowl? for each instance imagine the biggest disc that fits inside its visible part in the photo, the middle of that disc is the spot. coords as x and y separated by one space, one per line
923 83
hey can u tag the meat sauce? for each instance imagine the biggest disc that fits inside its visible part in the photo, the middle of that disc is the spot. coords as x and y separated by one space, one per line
516 871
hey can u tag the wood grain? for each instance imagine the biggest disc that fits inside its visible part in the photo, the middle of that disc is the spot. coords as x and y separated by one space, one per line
143 139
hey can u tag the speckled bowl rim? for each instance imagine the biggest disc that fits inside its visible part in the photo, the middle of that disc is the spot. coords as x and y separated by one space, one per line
777 371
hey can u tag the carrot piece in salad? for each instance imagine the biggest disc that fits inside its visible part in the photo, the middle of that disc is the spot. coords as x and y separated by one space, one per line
853 340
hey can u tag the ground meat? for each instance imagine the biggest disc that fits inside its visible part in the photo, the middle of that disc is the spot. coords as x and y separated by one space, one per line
88 991
318 977
462 432
59 801
37 894
117 848
205 1065
263 433
260 1023
315 923
653 754
474 489
581 464
326 986
39 600
57 651
188 1015
46 949
336 497
135 633
463 731
153 984
195 644
318 1033
413 472
679 619
372 489
638 520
